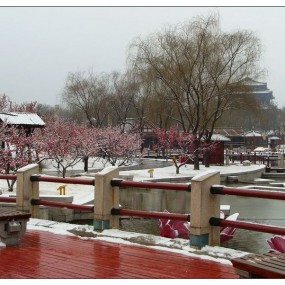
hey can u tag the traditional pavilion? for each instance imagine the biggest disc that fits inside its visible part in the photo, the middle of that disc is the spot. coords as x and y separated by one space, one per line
28 121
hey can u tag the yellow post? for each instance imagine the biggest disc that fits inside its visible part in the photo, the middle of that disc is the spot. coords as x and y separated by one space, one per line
61 189
150 171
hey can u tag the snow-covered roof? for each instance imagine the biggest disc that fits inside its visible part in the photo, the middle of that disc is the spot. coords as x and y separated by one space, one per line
253 134
249 81
20 118
274 138
217 137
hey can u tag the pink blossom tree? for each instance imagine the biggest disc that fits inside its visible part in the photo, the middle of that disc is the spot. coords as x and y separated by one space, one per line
16 147
16 150
184 144
117 147
65 143
166 140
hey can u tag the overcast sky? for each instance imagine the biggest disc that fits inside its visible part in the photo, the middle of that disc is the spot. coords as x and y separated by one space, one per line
39 46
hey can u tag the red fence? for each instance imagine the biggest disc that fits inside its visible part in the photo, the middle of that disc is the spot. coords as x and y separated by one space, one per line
62 205
247 226
224 190
152 185
217 189
44 178
8 176
255 158
150 214
203 190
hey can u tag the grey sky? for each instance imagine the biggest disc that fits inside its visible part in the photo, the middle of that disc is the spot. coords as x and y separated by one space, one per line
39 46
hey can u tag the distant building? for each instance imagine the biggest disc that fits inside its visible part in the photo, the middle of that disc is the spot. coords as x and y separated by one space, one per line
259 90
236 136
217 156
254 139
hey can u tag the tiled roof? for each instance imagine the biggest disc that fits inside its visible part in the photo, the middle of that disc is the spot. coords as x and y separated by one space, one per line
17 118
229 132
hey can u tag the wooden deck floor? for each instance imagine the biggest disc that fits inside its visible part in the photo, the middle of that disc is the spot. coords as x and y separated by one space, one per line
43 254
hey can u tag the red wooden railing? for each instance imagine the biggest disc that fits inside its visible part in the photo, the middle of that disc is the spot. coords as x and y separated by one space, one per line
62 205
43 178
8 176
8 199
152 185
150 214
214 190
67 180
82 181
255 193
247 226
223 190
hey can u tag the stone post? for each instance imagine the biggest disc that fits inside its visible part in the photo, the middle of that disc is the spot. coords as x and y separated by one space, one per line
280 160
27 190
227 157
204 205
106 197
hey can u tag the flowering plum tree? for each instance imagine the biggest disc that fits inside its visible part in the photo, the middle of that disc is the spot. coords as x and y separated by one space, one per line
117 147
184 144
166 139
65 143
15 150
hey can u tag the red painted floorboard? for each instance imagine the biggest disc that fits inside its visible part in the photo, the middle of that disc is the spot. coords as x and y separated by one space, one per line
43 254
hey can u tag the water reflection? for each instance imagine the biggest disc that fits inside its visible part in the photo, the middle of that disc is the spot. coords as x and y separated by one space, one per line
256 210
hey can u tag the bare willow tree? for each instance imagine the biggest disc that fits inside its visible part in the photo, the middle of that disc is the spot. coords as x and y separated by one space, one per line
160 109
121 103
151 104
88 94
203 69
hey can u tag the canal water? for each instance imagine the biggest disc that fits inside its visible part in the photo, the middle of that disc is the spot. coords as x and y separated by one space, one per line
261 211
255 210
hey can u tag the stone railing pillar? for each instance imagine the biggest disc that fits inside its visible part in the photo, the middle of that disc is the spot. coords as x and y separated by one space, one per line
27 190
204 205
280 160
106 198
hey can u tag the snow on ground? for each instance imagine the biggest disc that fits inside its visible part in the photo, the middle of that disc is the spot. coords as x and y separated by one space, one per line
83 193
188 171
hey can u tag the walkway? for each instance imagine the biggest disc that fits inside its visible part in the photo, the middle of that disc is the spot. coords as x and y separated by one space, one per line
42 254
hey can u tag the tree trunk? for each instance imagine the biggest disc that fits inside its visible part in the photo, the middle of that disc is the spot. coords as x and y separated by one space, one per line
196 155
85 159
177 169
196 162
207 157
